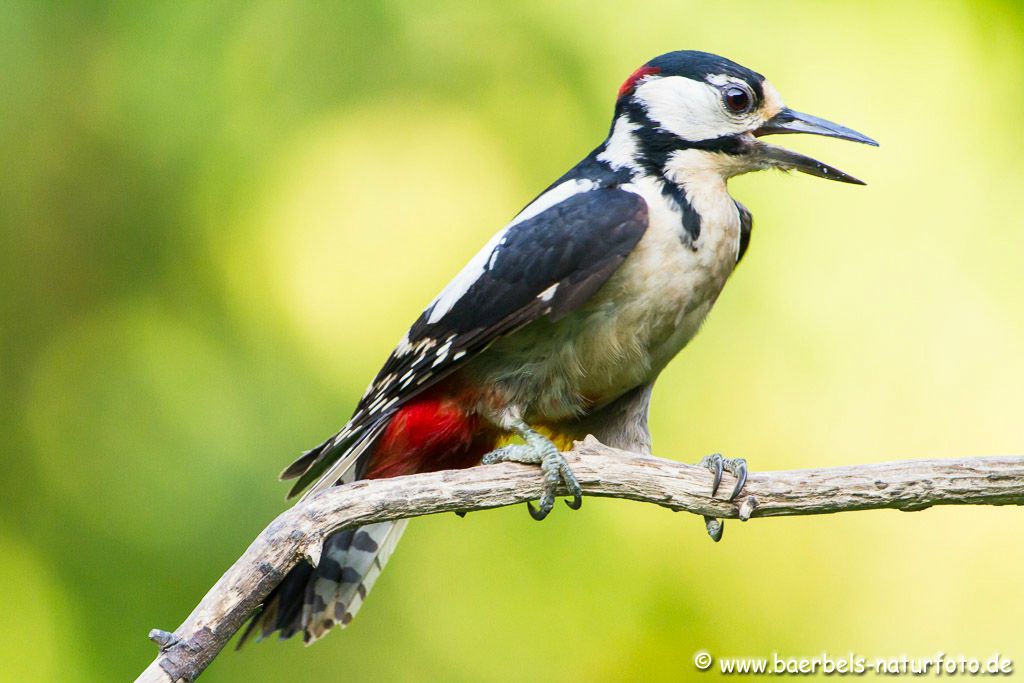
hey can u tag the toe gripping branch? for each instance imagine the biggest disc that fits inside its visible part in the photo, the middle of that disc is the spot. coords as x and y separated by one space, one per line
738 468
538 450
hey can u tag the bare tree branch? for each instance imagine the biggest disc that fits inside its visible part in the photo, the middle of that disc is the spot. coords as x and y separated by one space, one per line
602 471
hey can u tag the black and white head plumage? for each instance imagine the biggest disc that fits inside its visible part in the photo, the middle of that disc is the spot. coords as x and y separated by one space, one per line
711 109
698 98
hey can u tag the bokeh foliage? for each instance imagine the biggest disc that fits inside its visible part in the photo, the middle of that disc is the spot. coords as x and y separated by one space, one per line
217 218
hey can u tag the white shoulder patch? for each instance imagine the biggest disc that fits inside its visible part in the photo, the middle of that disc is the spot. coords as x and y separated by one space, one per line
621 150
556 194
488 256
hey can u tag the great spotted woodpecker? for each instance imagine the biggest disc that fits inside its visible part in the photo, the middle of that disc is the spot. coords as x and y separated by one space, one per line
559 326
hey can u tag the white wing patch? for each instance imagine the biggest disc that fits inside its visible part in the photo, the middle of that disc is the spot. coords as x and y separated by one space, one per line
548 293
557 194
464 280
488 256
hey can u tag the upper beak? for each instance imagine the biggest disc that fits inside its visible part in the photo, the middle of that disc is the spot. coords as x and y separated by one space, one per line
789 121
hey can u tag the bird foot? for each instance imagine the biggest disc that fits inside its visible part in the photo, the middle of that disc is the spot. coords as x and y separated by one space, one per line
717 464
540 451
737 467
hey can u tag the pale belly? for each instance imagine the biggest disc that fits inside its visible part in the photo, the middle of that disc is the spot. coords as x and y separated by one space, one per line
622 338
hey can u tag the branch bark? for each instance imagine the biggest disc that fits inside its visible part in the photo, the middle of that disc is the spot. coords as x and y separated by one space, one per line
602 471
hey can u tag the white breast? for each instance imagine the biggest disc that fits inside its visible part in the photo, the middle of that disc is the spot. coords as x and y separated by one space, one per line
666 287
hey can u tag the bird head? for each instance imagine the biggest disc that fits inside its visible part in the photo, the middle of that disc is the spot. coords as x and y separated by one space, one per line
697 109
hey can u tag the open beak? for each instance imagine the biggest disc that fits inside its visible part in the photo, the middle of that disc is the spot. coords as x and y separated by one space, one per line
789 121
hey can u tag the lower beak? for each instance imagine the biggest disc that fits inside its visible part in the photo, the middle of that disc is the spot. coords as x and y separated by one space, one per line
789 121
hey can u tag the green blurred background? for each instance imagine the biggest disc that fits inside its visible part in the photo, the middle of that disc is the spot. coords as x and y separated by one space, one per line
217 218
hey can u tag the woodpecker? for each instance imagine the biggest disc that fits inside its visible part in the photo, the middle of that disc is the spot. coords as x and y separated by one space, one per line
561 323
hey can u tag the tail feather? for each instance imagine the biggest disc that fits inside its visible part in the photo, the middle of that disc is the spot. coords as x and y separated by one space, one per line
314 600
349 566
282 610
425 435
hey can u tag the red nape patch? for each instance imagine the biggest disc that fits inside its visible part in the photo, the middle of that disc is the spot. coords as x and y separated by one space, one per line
630 83
428 434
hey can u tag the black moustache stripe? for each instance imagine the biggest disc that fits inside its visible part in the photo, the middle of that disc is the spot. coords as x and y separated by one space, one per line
654 147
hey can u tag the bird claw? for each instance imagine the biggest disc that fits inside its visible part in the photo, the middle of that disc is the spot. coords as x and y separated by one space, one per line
715 527
556 471
539 451
737 467
716 464
716 467
740 472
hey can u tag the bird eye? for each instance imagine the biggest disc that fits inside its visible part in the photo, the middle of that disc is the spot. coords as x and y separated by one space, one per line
737 100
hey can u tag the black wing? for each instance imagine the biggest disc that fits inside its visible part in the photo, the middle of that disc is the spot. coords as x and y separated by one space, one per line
746 227
544 265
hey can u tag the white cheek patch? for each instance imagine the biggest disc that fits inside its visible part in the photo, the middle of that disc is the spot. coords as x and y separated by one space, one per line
689 109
